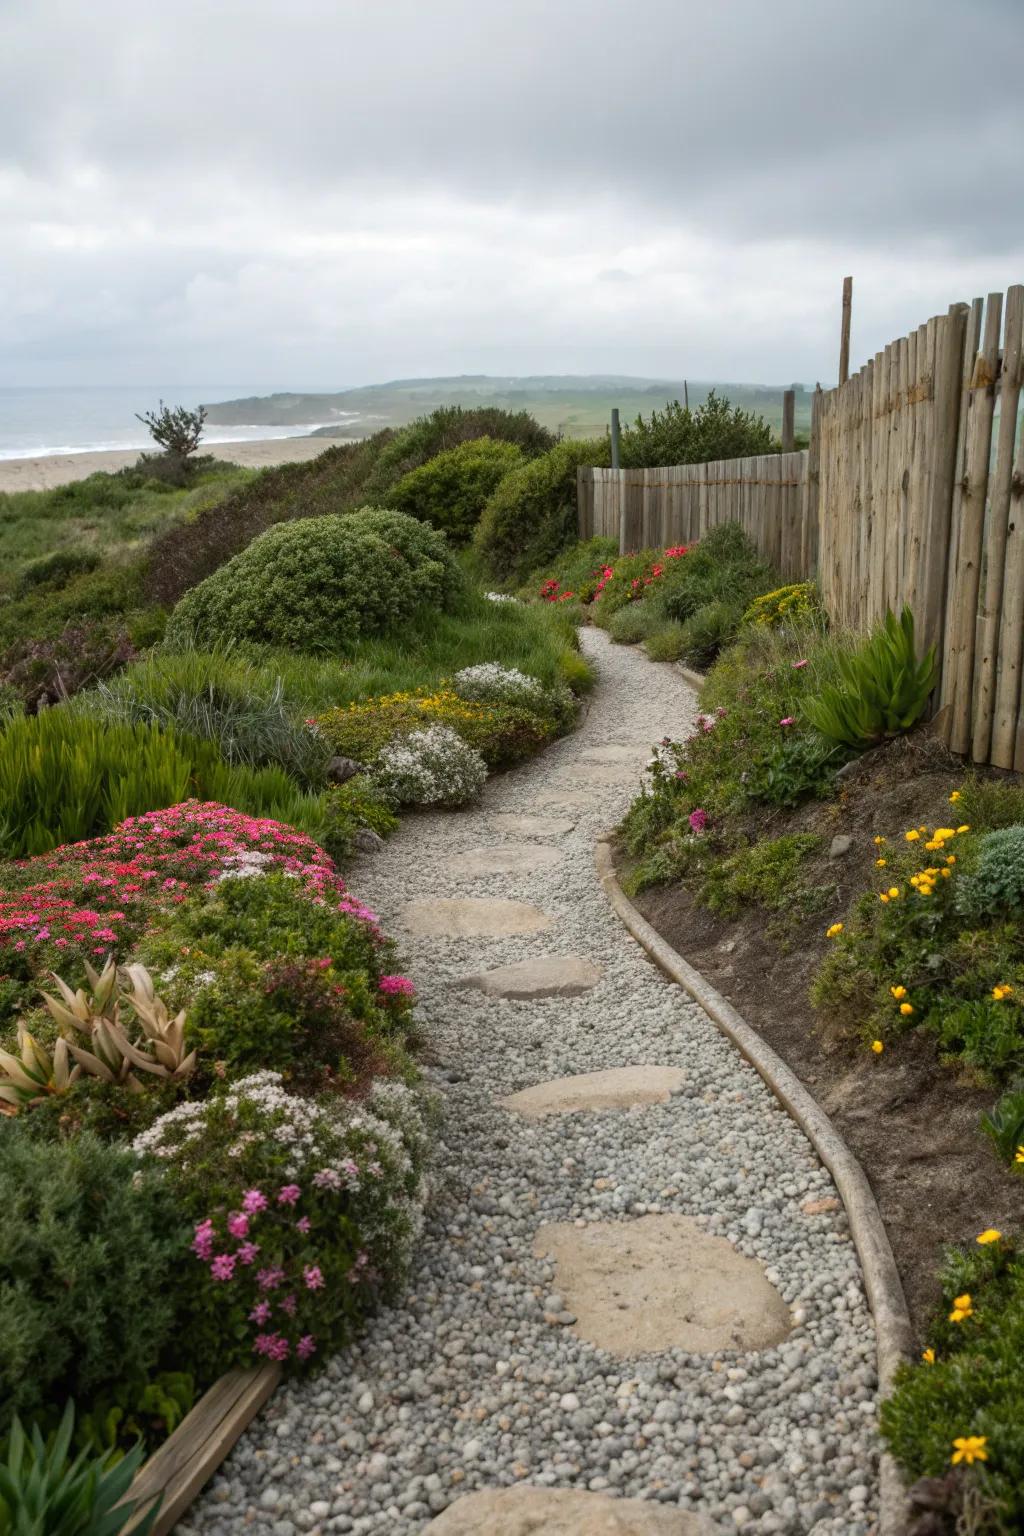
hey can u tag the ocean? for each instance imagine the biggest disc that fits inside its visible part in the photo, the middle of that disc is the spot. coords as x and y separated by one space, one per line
44 421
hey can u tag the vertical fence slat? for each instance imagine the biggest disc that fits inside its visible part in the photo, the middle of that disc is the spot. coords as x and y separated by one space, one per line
989 706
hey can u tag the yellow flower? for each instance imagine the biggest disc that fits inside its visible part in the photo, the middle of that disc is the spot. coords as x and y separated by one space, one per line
882 896
964 828
931 845
1002 991
915 879
928 1357
945 873
943 834
954 797
962 1308
912 836
880 863
898 992
950 858
1019 1157
894 891
969 1449
834 932
990 1235
877 1047
906 1009
878 841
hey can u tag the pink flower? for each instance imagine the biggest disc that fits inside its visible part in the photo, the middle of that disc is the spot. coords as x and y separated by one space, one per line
288 1194
202 1243
223 1266
272 1345
314 1277
788 720
396 986
269 1279
327 1178
698 819
303 1225
796 665
681 774
288 1304
254 1201
247 1253
306 1346
238 1224
260 1313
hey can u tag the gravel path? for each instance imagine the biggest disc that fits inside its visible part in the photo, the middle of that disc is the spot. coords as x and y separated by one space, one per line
471 1383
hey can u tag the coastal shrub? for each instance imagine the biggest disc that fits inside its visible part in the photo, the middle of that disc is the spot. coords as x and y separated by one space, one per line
708 631
768 874
217 696
579 569
882 688
351 807
44 1488
799 767
489 682
666 642
43 671
797 603
501 733
632 624
956 1416
304 1213
56 570
994 886
532 515
320 584
88 1295
451 489
723 567
430 767
273 979
448 427
66 776
677 435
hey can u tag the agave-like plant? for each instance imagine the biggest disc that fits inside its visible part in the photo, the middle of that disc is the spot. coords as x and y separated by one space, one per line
164 1052
44 1491
33 1074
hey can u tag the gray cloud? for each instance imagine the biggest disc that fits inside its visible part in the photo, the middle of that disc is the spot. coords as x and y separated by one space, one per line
329 191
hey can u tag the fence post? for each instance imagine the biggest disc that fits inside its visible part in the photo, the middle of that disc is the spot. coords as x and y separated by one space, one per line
788 420
844 334
615 437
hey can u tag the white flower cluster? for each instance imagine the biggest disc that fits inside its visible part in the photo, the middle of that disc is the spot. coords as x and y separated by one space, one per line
489 682
500 597
430 767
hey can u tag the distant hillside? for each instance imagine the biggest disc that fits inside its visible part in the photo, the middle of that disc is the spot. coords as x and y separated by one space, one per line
576 405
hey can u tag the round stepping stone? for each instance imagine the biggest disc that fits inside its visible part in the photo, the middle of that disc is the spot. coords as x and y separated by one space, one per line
533 826
503 859
658 1283
615 754
616 1088
546 976
468 917
528 1511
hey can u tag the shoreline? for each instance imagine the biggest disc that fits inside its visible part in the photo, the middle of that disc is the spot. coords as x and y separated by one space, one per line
45 471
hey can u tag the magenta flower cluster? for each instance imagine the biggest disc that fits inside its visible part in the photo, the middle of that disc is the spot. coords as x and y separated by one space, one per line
396 986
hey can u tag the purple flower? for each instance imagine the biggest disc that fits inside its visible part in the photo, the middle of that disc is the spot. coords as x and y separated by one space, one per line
288 1194
269 1279
223 1266
314 1277
247 1253
288 1304
238 1224
260 1313
788 720
306 1346
254 1201
272 1345
303 1225
698 819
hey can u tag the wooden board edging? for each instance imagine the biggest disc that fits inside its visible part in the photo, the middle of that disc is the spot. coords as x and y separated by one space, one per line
189 1457
893 1330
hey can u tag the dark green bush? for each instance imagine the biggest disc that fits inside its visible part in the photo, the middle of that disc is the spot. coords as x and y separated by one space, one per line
532 515
708 631
633 623
882 688
801 766
676 435
320 584
768 874
87 1270
350 807
56 570
971 1385
723 567
451 489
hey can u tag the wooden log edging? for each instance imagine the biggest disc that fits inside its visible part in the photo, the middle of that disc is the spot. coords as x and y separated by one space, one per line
893 1331
189 1457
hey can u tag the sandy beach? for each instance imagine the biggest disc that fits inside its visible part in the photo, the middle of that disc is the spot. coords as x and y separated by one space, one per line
42 474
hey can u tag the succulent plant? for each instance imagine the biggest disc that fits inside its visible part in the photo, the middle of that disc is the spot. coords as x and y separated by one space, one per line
34 1074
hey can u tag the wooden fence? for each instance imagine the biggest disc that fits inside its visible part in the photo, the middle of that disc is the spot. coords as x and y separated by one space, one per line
912 491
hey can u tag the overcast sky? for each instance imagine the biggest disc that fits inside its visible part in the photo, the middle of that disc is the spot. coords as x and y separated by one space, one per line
315 193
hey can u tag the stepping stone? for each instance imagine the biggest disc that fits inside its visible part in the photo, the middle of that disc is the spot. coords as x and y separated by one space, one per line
658 1283
617 1088
533 826
529 1511
547 976
467 917
615 754
503 859
563 799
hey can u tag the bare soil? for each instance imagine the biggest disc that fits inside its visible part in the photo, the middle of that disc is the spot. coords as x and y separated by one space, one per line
911 1120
